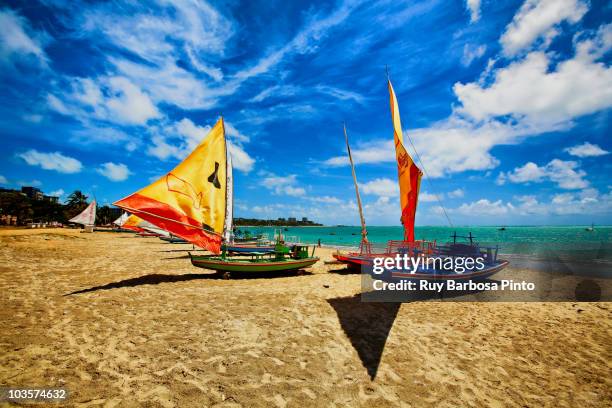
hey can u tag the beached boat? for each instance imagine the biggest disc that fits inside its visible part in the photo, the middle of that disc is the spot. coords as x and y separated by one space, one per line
282 259
87 217
409 177
195 202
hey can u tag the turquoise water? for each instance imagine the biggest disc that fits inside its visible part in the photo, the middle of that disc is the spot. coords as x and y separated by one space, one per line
514 240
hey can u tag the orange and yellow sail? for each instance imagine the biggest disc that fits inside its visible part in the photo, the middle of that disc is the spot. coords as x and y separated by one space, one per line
132 223
409 175
189 201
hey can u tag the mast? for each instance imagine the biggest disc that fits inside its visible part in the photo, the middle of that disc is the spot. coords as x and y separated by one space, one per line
229 193
364 245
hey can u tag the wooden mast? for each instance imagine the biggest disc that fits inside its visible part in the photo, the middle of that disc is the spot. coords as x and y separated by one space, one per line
364 245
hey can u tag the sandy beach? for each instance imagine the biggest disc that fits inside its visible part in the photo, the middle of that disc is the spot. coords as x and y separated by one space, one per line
125 321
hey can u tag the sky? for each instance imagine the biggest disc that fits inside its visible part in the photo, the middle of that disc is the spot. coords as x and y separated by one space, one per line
507 103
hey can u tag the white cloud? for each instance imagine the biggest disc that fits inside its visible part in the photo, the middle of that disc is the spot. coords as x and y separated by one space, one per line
588 201
426 197
169 83
158 33
240 159
586 150
303 43
538 19
382 187
565 174
325 199
483 207
3 180
529 90
458 193
341 94
191 135
113 99
52 161
163 150
15 42
114 171
57 193
471 53
130 104
282 185
275 92
474 8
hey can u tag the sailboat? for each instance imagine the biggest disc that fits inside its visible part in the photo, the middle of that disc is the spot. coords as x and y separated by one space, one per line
409 177
591 228
194 201
87 217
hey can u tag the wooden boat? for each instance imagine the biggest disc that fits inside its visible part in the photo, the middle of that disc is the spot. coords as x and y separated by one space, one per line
281 260
409 177
194 201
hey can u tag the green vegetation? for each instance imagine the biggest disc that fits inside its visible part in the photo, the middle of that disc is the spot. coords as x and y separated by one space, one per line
27 210
281 222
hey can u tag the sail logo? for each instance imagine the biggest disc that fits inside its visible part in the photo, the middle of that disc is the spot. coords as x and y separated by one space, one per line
178 185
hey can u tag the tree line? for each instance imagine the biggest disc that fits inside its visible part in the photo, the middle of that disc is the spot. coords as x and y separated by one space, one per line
28 210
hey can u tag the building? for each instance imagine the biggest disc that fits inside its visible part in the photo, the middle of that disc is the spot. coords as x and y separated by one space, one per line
292 219
32 192
304 219
51 199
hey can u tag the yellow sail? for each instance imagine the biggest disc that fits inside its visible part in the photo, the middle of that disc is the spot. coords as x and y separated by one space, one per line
409 175
190 200
132 223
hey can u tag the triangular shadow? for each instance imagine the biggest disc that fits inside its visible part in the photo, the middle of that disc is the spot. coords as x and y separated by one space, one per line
367 325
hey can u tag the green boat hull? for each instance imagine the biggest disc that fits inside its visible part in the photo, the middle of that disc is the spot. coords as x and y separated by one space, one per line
237 265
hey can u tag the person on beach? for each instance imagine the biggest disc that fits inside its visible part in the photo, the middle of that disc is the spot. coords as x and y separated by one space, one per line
319 243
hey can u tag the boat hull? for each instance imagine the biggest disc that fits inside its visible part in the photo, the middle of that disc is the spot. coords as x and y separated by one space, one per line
217 264
174 240
442 276
249 248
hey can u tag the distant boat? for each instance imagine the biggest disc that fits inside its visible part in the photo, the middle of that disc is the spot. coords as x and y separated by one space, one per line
591 228
501 229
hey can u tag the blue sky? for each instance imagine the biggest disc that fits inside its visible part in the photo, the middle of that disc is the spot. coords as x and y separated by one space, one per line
507 102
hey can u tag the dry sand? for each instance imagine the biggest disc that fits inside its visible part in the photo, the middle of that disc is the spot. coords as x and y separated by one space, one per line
146 328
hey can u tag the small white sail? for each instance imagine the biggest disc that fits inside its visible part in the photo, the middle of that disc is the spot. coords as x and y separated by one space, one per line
119 221
146 225
87 217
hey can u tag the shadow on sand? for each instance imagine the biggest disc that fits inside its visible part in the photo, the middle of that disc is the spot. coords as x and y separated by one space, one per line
155 279
367 325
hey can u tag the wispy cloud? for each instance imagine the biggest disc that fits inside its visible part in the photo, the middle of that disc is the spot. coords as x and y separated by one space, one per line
18 41
52 161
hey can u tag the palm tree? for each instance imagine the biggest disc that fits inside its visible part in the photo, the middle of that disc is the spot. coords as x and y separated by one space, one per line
77 199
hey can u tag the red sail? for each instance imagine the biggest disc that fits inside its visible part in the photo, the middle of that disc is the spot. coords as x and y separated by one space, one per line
409 175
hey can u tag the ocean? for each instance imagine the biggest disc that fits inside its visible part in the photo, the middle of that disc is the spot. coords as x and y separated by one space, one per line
574 241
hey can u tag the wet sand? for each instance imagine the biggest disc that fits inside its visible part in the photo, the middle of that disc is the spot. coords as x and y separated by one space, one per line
125 321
